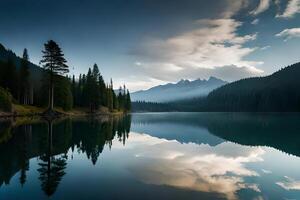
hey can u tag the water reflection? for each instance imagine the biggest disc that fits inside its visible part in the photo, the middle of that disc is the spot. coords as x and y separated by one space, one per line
278 130
158 156
52 167
49 141
219 169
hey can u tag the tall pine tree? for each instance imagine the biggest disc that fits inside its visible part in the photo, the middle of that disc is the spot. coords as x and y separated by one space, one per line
55 64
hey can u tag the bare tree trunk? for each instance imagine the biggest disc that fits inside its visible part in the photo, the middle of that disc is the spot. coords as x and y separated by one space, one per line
52 97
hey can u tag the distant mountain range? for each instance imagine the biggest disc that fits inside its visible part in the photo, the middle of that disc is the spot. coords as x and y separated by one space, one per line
184 89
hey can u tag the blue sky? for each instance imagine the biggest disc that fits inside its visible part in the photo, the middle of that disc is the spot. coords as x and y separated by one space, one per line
143 43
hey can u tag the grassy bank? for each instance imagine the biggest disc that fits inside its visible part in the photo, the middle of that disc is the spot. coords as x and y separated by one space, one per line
27 110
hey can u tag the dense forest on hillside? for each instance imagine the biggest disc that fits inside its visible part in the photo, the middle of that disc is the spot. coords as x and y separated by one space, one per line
278 92
22 82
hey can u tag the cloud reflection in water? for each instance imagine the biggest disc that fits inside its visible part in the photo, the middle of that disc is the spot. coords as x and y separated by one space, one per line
220 169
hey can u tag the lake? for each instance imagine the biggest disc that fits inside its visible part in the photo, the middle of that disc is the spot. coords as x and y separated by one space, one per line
152 156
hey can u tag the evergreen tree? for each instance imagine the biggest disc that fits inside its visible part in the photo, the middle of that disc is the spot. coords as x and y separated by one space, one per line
110 100
88 91
102 90
78 99
55 64
115 101
74 90
127 102
63 93
96 87
120 99
24 73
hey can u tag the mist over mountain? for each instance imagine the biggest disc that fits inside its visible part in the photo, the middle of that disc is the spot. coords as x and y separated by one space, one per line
184 89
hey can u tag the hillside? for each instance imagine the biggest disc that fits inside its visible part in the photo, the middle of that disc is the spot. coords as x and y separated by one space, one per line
277 92
35 71
184 89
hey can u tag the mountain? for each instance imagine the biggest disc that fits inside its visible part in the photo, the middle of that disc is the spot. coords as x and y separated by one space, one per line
184 89
277 92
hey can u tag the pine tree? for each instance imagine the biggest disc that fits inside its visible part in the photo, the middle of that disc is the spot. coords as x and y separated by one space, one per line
24 87
110 95
128 102
55 64
78 101
88 91
120 99
63 96
74 90
96 87
103 93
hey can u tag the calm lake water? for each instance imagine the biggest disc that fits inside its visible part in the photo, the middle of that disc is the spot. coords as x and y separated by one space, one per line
152 156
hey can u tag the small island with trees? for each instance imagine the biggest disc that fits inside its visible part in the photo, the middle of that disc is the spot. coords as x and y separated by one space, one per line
27 89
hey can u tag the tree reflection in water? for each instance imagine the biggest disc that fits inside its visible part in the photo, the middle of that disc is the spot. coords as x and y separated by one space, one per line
51 141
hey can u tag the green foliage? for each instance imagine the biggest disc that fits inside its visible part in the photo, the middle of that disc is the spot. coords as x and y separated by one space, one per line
51 87
5 100
63 94
277 92
127 106
24 86
9 77
53 59
55 64
90 91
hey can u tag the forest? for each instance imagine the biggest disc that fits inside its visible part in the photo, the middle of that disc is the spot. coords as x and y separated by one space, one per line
50 86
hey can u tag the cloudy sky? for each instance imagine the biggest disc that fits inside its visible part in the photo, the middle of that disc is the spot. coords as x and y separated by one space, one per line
143 43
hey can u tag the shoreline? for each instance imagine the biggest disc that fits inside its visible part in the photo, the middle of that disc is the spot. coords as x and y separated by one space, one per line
32 111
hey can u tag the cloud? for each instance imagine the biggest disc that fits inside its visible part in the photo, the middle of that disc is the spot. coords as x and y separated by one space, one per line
292 8
266 171
289 33
220 169
265 47
229 73
212 45
289 184
138 63
233 7
255 22
262 6
138 82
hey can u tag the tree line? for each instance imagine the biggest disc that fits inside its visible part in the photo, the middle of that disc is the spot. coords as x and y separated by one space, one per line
15 84
54 87
91 91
